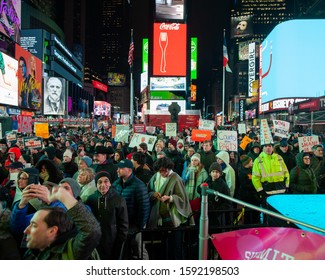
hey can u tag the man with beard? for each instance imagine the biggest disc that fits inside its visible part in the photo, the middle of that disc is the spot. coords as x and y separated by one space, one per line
54 102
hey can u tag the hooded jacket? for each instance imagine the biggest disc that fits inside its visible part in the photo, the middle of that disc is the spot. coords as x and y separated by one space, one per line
229 172
302 177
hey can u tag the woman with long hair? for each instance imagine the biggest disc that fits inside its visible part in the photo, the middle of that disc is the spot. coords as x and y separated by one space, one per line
195 175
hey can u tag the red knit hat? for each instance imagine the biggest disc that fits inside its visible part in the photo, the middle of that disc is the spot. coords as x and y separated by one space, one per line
173 142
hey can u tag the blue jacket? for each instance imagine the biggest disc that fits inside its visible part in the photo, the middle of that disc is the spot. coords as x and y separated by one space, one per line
136 196
20 218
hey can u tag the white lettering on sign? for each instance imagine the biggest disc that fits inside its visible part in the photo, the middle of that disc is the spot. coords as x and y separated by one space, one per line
169 26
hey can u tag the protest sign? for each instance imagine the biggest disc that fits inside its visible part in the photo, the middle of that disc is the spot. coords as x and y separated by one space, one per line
227 140
11 137
33 142
171 129
200 135
137 139
266 136
42 130
139 128
244 142
206 124
122 133
281 128
241 128
306 143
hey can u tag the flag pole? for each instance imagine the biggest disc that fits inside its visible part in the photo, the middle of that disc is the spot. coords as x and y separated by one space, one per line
131 82
223 86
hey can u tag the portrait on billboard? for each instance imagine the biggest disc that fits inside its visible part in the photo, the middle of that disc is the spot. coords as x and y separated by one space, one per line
242 26
8 80
54 96
29 79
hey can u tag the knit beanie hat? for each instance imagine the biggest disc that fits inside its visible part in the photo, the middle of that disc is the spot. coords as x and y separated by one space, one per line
67 153
87 160
75 187
102 174
180 141
245 159
173 142
50 152
197 156
215 166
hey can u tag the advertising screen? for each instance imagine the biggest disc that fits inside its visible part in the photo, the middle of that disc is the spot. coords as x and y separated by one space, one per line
55 96
169 9
102 108
292 62
10 18
8 80
116 79
174 84
29 79
169 49
162 105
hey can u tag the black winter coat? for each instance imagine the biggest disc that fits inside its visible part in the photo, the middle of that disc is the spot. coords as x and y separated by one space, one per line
111 212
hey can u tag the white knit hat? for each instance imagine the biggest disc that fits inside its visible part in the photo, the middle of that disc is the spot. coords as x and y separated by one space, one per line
197 156
67 153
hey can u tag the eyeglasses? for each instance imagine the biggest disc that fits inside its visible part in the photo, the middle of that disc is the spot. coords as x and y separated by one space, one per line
306 158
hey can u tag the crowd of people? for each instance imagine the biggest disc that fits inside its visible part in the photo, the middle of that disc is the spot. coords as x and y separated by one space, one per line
85 196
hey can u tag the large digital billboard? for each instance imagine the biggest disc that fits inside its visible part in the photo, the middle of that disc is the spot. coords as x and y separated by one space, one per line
29 79
292 62
10 19
169 49
102 108
168 83
162 106
8 80
170 10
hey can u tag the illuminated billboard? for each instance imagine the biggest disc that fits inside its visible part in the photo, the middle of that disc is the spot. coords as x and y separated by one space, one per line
102 108
169 49
241 26
29 79
8 80
116 79
10 18
162 106
55 96
170 10
164 83
292 62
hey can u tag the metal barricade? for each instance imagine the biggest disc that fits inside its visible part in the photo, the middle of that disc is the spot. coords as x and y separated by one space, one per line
204 219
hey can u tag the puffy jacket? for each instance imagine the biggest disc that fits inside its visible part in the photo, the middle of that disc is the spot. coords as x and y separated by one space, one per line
136 196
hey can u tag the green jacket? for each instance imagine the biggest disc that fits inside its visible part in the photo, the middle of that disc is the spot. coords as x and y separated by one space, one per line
82 241
302 177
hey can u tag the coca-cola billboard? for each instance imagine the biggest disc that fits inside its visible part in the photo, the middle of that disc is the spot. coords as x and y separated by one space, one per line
169 49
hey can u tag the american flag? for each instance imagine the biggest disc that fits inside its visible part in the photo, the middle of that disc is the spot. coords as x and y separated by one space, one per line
131 50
